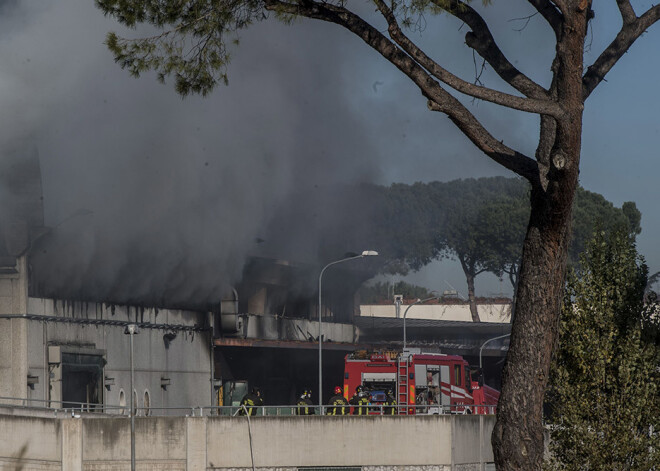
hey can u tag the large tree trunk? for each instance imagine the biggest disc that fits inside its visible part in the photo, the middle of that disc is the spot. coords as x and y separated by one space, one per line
472 300
468 270
518 435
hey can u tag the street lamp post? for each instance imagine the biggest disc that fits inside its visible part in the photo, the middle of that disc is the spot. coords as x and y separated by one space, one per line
405 313
488 341
131 330
366 253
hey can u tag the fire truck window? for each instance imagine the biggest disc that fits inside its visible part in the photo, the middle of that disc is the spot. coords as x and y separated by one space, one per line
457 375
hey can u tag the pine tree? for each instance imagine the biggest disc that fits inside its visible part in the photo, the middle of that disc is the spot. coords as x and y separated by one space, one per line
604 381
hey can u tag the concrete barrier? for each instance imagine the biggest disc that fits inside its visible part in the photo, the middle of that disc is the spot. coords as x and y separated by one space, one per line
375 443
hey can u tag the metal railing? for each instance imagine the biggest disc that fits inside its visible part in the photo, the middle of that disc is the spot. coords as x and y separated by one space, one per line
65 407
71 408
427 409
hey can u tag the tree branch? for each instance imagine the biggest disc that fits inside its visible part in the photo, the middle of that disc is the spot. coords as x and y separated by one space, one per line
513 272
473 130
545 107
479 272
439 99
617 48
481 40
547 9
627 12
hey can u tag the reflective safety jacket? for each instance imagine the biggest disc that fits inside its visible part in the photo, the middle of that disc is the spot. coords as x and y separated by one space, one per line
338 405
360 403
305 406
390 406
251 402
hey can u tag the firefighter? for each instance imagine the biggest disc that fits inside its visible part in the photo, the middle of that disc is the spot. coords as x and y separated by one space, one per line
360 401
338 403
305 403
251 401
390 403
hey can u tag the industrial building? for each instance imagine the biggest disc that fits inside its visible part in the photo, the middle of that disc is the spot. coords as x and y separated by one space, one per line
57 352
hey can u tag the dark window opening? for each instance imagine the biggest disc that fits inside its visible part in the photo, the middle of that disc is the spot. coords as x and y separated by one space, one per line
82 380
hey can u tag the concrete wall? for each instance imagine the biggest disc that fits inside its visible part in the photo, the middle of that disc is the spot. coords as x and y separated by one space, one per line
13 289
498 313
13 332
332 441
30 443
440 443
185 360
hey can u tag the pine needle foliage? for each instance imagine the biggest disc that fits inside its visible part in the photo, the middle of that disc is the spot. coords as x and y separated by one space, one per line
193 35
192 43
604 389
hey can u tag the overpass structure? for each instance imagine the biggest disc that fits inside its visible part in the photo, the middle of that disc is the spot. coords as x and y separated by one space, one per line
349 443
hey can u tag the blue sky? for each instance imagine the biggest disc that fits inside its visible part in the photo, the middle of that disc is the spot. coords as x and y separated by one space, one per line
306 103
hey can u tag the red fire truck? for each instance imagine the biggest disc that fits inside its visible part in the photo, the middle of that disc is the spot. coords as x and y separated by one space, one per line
429 383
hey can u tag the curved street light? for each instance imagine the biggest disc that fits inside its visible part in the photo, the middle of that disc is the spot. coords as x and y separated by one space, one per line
366 253
488 341
405 313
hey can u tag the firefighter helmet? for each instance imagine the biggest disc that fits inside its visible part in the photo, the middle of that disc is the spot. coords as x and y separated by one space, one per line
306 393
358 388
337 390
256 391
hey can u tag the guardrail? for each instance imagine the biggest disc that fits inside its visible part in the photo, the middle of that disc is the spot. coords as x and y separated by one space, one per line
76 408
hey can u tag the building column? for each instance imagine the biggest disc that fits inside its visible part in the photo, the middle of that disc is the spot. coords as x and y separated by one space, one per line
13 332
196 443
72 445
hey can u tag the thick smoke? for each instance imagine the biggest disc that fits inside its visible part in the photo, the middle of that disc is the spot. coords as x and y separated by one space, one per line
154 199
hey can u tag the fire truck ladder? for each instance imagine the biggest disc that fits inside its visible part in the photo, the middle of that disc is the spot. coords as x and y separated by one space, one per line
403 392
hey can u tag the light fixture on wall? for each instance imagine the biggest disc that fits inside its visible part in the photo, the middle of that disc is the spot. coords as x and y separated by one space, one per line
107 382
32 380
165 382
